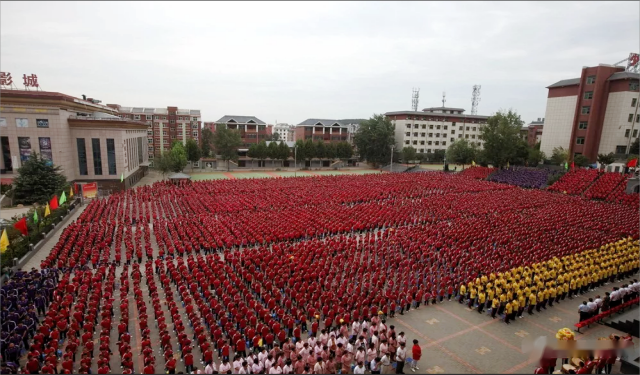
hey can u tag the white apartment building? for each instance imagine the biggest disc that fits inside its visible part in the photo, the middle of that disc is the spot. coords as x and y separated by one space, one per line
285 131
435 128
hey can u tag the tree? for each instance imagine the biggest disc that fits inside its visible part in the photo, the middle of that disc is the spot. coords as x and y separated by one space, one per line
374 139
635 147
309 149
163 164
409 154
226 143
320 149
535 156
438 156
330 151
344 150
521 153
461 152
559 156
193 152
274 137
206 142
253 151
262 151
284 152
501 138
37 182
581 161
178 157
606 159
273 150
299 152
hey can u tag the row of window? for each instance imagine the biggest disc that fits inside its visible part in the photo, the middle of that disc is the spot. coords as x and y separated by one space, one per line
628 131
630 118
437 143
419 118
152 117
97 156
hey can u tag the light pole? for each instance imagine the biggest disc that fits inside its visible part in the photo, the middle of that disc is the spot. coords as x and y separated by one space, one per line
295 160
391 164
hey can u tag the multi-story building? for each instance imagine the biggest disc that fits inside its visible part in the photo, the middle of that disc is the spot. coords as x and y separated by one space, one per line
435 128
89 141
252 129
596 113
285 131
328 131
532 133
164 125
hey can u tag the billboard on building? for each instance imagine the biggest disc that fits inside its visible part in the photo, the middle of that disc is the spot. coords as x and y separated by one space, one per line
45 150
24 145
90 190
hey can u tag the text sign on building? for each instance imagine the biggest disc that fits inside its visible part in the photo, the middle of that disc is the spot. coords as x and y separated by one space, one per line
30 81
5 79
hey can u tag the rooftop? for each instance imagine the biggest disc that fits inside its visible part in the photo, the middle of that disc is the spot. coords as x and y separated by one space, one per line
157 111
320 122
614 77
420 113
442 109
51 95
240 120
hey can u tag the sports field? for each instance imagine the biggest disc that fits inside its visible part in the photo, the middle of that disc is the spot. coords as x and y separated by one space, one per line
271 174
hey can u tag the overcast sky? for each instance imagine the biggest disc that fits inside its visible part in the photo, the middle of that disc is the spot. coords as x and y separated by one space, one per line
289 61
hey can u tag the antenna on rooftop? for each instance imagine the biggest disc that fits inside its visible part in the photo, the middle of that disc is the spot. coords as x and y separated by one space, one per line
414 99
444 98
475 99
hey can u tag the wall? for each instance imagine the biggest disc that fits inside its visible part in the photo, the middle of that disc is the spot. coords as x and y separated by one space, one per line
616 121
558 123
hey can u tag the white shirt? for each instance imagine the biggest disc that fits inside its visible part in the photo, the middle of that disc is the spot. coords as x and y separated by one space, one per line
256 368
319 368
592 306
358 370
598 302
210 369
224 368
355 328
242 370
268 364
287 369
385 360
275 370
349 347
583 308
402 339
341 340
324 337
262 357
236 365
312 341
375 366
401 354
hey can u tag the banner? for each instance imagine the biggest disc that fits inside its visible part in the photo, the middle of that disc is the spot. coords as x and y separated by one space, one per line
45 150
90 190
24 144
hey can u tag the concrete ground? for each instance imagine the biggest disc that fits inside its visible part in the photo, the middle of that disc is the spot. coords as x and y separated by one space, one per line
9 213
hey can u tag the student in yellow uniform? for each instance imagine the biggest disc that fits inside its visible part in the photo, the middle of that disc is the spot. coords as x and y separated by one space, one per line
503 302
552 295
472 297
463 293
508 310
532 301
573 284
481 301
494 307
540 298
521 303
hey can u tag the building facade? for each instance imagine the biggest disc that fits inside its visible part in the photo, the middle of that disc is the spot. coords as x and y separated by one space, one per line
252 129
87 140
532 133
327 131
164 125
285 131
435 128
596 113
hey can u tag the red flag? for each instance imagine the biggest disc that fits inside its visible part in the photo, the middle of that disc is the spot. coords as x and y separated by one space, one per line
21 225
53 203
573 166
632 163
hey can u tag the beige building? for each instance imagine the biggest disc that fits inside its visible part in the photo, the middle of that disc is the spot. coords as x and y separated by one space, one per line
86 139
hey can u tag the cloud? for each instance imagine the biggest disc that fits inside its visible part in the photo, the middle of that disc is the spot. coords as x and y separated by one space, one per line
296 60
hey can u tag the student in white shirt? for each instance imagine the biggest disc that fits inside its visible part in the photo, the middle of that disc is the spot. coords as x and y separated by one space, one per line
268 363
376 365
359 369
355 329
275 369
225 366
401 356
210 368
319 368
288 368
385 362
257 367
244 369
237 363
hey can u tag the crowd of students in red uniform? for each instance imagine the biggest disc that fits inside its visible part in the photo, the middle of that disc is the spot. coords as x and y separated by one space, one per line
315 252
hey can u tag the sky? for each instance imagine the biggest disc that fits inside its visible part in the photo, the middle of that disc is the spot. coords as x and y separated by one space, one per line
290 61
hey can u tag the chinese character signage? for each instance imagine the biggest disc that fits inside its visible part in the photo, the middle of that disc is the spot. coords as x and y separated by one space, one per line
90 190
5 79
45 150
30 81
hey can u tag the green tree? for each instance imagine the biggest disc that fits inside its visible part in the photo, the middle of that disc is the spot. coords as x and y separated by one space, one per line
635 147
226 143
273 150
163 164
581 161
206 142
521 154
344 150
501 138
606 159
330 151
37 182
559 156
178 157
253 151
535 156
274 137
320 150
409 154
194 154
284 152
374 139
299 151
262 151
309 149
438 156
461 152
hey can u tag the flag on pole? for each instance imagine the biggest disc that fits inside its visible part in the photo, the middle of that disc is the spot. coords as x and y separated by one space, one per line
566 165
70 192
632 163
507 164
122 177
4 241
573 166
53 203
63 198
35 217
21 225
473 163
47 211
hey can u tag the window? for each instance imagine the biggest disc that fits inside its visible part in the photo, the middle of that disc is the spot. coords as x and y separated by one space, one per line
430 134
626 133
409 117
588 95
467 128
459 135
428 151
437 135
149 132
136 117
22 122
149 139
630 117
172 121
452 139
415 126
172 113
429 143
438 127
408 134
633 86
422 143
156 117
408 126
424 126
591 80
415 134
82 156
194 119
164 132
635 133
180 118
173 137
446 127
444 143
421 150
406 142
473 136
633 102
582 125
621 149
586 110
637 118
194 133
423 134
580 140
415 142
466 136
437 143
97 156
150 148
42 123
164 117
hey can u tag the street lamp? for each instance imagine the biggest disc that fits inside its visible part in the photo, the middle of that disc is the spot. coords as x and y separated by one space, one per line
391 165
295 160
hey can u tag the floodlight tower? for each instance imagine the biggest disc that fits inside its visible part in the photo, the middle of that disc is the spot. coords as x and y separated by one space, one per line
475 99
